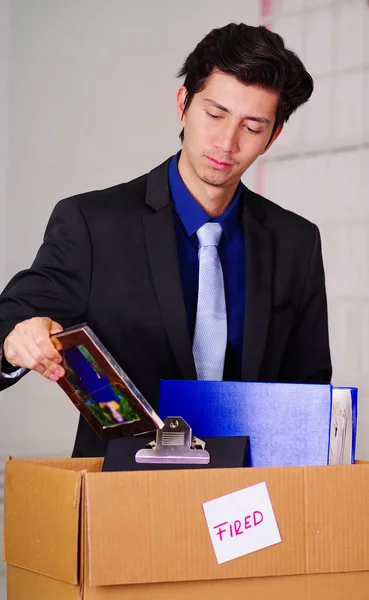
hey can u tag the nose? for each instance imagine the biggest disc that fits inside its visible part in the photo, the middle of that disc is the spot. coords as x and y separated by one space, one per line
228 137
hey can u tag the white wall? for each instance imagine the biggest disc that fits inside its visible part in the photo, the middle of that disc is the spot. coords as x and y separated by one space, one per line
4 159
4 126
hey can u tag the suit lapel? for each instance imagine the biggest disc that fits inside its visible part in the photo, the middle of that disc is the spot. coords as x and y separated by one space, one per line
259 249
163 259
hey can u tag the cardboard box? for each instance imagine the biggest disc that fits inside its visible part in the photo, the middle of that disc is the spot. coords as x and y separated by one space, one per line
72 532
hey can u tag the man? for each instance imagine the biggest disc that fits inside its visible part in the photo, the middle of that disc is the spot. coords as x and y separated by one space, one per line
137 263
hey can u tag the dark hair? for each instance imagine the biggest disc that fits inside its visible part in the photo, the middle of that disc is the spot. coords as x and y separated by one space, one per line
255 56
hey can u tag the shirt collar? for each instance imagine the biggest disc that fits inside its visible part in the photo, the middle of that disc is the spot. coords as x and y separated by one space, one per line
192 215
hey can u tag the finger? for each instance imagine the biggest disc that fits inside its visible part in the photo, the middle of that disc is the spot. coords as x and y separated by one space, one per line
54 373
55 327
37 362
47 351
38 356
57 343
59 346
45 324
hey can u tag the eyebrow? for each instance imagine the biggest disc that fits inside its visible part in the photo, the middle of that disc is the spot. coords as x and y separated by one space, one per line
261 120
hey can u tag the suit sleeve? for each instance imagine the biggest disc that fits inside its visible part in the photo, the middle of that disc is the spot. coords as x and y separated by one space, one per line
57 284
307 357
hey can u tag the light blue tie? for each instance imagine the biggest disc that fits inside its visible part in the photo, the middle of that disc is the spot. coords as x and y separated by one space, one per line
210 338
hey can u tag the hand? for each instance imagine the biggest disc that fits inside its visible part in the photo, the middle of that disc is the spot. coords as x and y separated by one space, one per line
29 345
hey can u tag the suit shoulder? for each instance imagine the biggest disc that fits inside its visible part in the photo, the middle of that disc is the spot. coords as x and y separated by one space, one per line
128 196
276 216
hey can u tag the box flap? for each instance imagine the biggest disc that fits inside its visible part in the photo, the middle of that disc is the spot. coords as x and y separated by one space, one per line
34 586
301 587
92 465
41 518
150 527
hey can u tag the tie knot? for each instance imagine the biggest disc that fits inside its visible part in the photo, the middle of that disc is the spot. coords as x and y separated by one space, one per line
209 234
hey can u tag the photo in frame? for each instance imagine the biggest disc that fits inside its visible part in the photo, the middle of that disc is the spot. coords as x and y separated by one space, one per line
100 389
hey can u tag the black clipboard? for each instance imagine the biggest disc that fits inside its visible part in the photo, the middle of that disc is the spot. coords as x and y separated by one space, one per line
225 452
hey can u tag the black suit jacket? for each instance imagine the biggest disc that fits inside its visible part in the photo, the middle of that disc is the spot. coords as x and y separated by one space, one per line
110 258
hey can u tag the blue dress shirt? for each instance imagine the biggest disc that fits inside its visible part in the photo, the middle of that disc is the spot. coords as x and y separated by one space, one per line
189 217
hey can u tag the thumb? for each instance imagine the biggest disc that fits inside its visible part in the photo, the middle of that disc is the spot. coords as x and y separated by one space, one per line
55 328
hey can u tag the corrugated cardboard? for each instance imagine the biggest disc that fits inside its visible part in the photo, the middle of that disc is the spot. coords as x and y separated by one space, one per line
72 532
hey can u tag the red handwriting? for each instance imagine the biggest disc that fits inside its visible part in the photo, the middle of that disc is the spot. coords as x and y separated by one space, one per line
238 527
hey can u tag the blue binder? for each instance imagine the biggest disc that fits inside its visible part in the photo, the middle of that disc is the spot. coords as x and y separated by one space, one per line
288 424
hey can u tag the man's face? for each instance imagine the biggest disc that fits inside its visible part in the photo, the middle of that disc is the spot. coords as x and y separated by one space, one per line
227 126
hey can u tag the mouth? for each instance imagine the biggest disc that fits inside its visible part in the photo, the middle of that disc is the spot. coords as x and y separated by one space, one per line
218 164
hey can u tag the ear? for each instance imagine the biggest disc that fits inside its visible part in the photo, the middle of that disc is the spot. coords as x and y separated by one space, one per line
181 103
276 134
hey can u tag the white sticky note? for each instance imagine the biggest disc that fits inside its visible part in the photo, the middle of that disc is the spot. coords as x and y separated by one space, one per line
241 522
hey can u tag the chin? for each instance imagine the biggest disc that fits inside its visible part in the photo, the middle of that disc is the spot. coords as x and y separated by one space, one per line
215 181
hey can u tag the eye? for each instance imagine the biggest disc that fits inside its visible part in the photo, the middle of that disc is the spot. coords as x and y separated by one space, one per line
252 130
212 116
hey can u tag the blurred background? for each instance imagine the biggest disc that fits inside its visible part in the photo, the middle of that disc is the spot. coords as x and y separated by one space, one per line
87 100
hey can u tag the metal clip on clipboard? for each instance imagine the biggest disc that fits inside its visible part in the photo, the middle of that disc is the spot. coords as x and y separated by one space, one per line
174 444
